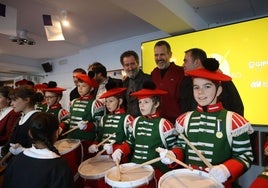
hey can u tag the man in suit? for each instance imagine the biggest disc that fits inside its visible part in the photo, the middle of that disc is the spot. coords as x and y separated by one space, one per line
98 72
194 59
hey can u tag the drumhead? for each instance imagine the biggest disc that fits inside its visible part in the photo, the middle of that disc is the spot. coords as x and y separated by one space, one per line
96 167
187 178
66 145
132 178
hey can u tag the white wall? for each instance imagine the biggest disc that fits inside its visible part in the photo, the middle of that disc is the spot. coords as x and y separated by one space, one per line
108 54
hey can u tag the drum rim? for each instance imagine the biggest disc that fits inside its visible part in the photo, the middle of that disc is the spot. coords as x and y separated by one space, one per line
134 183
96 176
78 142
187 171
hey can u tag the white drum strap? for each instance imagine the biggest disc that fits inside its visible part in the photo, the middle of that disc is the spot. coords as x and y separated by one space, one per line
134 126
186 122
229 127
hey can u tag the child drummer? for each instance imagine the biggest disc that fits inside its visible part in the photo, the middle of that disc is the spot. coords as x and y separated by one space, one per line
148 131
221 136
115 124
53 95
85 113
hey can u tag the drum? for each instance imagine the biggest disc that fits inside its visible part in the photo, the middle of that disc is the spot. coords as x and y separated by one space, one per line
70 150
187 178
94 169
142 177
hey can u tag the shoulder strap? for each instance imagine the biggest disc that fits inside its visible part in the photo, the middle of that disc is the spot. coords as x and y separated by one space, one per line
186 121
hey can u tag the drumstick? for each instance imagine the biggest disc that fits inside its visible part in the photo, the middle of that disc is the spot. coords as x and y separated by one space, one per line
5 158
102 151
176 160
99 153
8 154
141 165
71 130
118 169
106 139
198 153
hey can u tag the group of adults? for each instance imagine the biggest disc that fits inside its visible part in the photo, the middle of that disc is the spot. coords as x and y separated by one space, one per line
167 76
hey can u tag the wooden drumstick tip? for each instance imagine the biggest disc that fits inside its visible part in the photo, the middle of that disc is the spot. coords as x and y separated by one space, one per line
118 170
141 165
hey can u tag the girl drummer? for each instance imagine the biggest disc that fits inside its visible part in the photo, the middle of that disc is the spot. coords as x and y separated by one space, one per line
220 135
40 165
148 131
116 121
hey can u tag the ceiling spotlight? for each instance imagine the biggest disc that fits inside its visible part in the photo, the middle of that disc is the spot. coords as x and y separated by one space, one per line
64 21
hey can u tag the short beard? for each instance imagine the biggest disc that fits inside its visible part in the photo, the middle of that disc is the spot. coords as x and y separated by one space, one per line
135 72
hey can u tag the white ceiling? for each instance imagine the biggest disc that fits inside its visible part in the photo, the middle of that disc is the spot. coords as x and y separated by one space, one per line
95 22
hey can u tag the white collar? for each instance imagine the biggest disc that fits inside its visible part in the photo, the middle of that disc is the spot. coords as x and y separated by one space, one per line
5 111
40 153
24 117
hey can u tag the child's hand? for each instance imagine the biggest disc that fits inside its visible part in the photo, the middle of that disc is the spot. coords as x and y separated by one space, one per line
15 149
93 148
108 148
164 159
220 173
82 125
117 155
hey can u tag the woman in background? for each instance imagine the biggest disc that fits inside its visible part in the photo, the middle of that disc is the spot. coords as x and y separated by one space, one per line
40 166
8 117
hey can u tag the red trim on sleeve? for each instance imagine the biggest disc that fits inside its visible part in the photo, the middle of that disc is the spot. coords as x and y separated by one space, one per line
179 155
90 126
124 147
265 144
235 168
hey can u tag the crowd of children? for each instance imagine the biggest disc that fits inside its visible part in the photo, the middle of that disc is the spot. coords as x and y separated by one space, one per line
220 135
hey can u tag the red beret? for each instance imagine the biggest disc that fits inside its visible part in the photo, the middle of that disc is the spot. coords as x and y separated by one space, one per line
146 93
85 78
21 82
57 90
113 92
40 87
210 75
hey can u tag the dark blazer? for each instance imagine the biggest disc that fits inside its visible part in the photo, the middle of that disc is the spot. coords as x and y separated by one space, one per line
132 85
74 94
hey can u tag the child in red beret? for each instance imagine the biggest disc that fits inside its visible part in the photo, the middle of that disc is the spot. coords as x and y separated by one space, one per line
85 113
53 95
148 131
221 136
116 123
